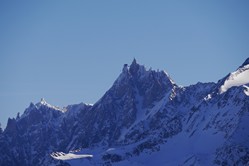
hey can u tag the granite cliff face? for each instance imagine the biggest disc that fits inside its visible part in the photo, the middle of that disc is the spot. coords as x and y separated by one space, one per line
143 119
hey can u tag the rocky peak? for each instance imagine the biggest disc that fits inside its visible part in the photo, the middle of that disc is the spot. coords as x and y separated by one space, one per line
125 68
43 103
11 126
135 80
134 67
136 74
245 63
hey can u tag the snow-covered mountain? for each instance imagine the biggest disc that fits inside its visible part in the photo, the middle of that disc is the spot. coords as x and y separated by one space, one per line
143 119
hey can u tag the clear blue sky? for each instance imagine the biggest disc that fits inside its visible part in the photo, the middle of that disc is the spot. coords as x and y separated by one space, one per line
72 51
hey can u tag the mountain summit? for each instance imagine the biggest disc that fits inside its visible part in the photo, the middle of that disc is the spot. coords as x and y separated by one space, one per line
143 119
245 63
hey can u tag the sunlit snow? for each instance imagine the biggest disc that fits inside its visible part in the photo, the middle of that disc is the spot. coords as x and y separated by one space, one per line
237 78
69 156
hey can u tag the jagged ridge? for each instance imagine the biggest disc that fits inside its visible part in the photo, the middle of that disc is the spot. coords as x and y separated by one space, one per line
143 115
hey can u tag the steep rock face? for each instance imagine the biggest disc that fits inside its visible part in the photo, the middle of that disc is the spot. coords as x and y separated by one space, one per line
135 90
146 117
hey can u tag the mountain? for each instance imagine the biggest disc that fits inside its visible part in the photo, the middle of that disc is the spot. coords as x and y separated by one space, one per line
145 118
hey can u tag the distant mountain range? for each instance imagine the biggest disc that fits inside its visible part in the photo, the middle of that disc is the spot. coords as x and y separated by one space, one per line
145 118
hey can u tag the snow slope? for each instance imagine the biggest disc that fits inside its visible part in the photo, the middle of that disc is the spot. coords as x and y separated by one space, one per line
237 78
69 156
